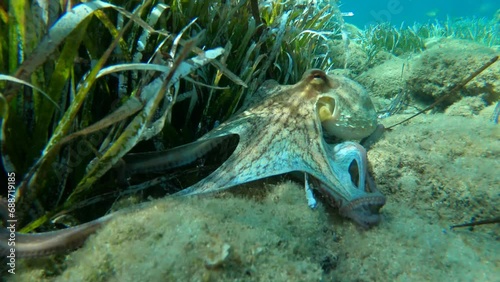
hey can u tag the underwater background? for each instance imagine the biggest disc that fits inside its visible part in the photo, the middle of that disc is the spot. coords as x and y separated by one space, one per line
407 12
437 170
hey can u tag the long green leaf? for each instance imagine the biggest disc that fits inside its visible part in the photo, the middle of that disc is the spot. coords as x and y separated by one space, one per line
58 80
37 175
62 28
139 129
17 80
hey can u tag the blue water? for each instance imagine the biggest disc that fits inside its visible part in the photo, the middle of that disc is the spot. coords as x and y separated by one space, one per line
398 12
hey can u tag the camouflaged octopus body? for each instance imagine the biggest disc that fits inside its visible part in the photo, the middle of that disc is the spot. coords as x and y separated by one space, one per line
280 130
346 111
353 116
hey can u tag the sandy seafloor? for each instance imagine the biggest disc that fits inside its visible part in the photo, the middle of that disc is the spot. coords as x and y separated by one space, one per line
436 171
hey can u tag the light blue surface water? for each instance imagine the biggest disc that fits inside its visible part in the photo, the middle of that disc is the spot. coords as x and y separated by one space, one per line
407 12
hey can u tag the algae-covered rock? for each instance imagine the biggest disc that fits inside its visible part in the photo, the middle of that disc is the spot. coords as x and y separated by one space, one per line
468 106
432 73
384 81
355 59
446 63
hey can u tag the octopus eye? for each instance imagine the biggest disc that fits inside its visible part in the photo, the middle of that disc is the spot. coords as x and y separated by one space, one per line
318 78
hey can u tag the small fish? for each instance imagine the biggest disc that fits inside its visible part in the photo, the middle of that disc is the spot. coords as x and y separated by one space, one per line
347 14
496 113
432 13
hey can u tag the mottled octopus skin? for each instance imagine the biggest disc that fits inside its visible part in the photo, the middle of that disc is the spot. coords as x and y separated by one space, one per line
280 129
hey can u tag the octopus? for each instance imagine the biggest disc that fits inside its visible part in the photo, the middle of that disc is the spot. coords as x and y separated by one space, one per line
280 129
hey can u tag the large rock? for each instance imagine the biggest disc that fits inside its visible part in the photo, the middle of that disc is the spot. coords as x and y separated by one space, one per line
446 63
384 81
